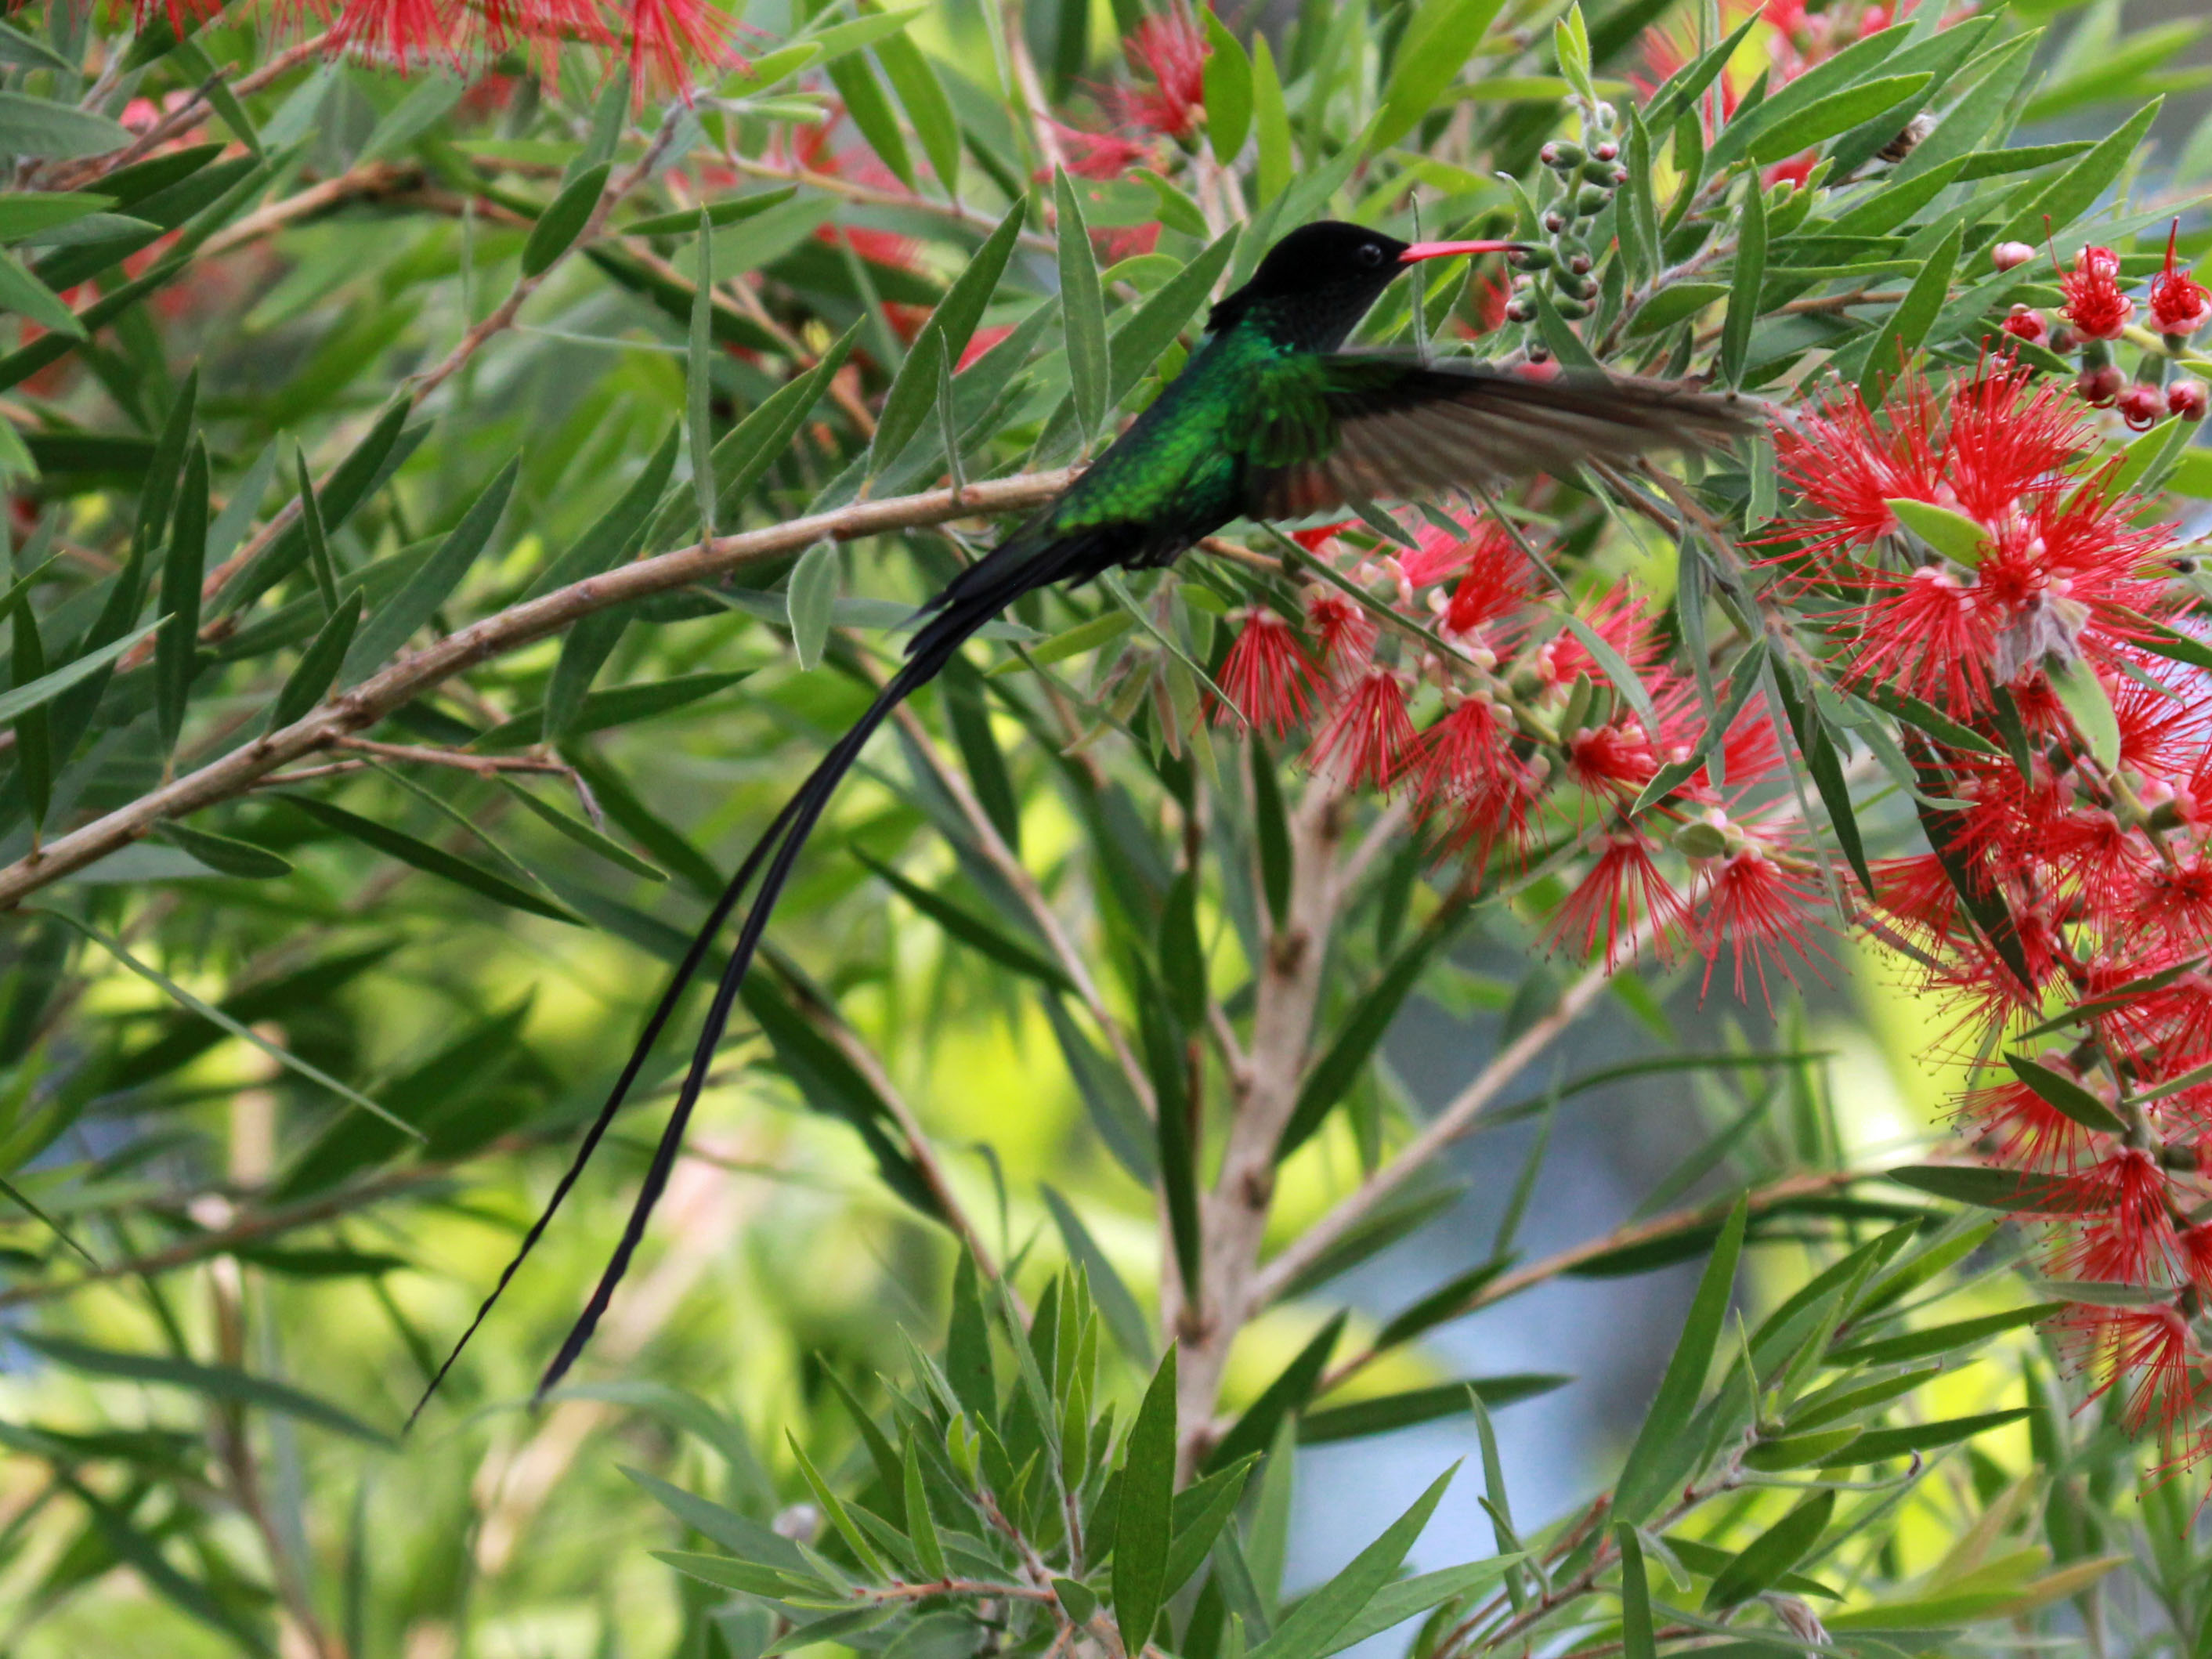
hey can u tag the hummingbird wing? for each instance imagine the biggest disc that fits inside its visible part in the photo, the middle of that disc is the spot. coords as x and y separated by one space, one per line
1364 426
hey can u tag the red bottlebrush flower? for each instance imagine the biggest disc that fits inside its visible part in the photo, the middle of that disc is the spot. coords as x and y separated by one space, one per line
1620 620
1765 913
1267 673
1615 760
2023 1130
1171 50
2094 304
1370 740
2187 398
183 14
406 34
2121 1232
1099 155
1460 754
1848 466
1345 632
1438 555
1491 294
1622 891
675 43
2179 305
2147 1349
1496 586
2026 323
1126 241
1316 539
2141 405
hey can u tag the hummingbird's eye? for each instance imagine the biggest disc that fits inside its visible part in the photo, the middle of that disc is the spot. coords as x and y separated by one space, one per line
1371 254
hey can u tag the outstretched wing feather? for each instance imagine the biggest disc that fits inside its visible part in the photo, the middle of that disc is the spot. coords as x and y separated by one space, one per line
1367 426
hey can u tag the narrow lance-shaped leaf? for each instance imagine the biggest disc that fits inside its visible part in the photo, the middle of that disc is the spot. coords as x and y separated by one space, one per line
1141 1524
698 378
1083 310
310 526
1655 1461
394 623
1750 273
317 670
176 651
1310 1628
34 745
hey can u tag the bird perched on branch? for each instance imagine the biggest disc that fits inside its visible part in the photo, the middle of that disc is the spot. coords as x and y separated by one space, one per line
1270 419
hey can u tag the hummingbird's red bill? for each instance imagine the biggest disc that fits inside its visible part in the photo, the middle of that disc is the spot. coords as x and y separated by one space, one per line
1447 250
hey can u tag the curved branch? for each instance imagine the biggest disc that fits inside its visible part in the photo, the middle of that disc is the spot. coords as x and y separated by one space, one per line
506 631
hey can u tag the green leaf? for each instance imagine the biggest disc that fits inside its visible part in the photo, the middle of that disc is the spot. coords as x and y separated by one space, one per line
1904 329
601 711
1674 303
1875 1444
29 298
1147 1499
739 1534
1637 1638
1386 1413
619 532
311 523
1272 118
1953 535
1331 1077
1310 1629
922 96
1395 1604
349 485
747 452
1773 1554
231 857
1438 40
922 1525
810 598
1201 1509
911 401
1995 1189
431 861
1083 311
1655 1460
971 930
1953 1339
55 132
2078 188
2082 691
564 219
1152 326
2065 1097
44 689
1282 1399
1108 1290
1821 758
317 670
730 211
177 648
224 1382
872 113
583 835
1839 112
1928 718
699 379
394 623
1228 89
1616 668
1781 109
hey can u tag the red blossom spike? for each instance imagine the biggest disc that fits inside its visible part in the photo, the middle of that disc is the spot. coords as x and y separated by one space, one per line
1622 892
2179 305
2094 304
1267 673
404 34
674 44
1342 628
1462 754
1169 50
1765 913
1370 740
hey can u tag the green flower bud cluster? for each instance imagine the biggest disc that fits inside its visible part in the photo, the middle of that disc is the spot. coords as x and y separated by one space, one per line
1584 181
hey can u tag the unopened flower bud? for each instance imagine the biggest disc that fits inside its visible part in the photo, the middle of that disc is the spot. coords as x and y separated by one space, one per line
2011 256
1607 151
1573 287
1520 311
1590 200
1700 840
1572 310
1580 264
2028 324
2187 398
1533 256
1600 172
2141 405
1561 153
1555 222
2100 387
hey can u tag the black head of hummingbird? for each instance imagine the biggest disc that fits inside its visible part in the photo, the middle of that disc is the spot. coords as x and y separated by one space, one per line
1316 283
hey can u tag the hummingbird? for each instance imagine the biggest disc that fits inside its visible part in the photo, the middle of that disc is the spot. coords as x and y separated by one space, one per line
1270 419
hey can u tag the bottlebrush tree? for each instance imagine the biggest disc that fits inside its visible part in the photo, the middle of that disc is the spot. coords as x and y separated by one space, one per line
467 460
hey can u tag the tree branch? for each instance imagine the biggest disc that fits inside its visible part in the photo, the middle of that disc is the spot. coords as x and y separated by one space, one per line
410 676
